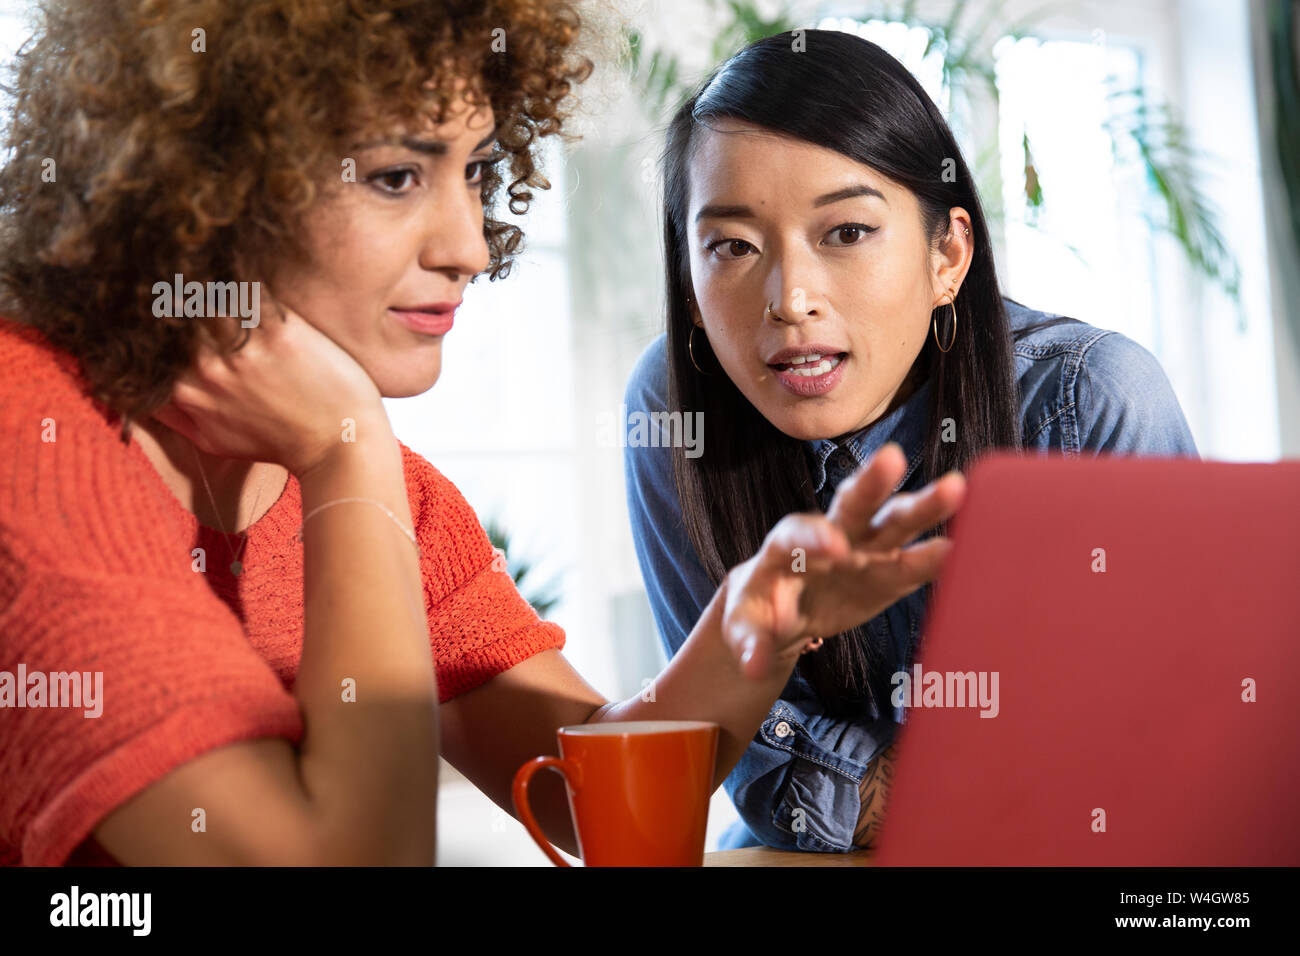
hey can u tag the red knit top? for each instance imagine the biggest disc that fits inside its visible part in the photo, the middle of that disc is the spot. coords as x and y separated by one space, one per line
97 574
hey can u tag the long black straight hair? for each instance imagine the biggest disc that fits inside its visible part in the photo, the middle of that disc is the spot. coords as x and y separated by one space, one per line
844 93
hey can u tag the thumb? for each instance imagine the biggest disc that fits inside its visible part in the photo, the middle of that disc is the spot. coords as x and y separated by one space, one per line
754 651
179 422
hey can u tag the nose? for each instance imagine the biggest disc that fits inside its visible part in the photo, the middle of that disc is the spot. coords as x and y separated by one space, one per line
793 286
455 243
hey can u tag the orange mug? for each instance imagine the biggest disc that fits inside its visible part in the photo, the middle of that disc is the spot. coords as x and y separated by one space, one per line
638 791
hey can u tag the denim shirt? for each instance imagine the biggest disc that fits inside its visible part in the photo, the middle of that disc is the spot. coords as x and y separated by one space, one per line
1081 388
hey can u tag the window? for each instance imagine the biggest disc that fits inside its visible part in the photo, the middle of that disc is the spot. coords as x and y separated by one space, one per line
1091 250
1090 226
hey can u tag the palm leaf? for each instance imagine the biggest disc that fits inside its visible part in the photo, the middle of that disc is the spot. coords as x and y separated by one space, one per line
1172 166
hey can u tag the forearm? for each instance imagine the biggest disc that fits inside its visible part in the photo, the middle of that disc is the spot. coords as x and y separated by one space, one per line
704 681
873 792
368 761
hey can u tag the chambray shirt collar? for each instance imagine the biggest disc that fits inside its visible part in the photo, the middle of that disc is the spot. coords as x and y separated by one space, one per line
905 425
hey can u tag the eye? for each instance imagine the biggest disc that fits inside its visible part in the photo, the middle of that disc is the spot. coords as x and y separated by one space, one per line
392 181
478 168
735 247
850 233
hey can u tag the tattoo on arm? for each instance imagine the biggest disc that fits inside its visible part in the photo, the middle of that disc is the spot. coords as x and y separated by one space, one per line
874 794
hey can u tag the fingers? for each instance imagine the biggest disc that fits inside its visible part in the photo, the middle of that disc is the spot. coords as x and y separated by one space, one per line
859 496
914 566
907 515
188 392
762 617
864 536
178 421
800 538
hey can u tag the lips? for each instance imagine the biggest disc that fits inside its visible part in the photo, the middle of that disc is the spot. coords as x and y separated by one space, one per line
812 378
809 352
433 308
431 318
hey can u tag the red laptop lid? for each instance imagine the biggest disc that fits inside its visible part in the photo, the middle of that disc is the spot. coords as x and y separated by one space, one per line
1131 627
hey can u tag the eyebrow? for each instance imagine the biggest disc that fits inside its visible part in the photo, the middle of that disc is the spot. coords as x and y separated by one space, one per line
850 192
716 211
432 147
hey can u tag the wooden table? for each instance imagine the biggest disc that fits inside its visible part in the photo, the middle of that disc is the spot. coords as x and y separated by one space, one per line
766 856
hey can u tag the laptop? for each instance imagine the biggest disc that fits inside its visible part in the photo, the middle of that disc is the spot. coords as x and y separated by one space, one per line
1109 673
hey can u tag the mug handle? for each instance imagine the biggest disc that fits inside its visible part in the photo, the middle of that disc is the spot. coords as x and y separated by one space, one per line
525 773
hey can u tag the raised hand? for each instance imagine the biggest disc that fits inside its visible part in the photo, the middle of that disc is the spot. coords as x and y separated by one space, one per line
818 575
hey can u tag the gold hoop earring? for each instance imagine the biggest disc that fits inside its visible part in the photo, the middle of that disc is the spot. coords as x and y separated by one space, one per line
812 645
934 325
690 350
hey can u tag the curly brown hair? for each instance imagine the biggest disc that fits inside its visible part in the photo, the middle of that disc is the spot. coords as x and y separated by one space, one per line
169 159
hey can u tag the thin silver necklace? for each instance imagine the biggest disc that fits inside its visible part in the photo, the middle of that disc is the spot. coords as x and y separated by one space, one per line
235 567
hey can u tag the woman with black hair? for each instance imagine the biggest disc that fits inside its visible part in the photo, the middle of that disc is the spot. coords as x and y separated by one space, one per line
831 289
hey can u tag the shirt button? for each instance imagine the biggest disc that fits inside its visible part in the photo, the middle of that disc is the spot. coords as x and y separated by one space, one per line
782 729
841 464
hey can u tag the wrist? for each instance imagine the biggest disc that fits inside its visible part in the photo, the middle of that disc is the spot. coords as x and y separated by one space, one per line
369 478
371 444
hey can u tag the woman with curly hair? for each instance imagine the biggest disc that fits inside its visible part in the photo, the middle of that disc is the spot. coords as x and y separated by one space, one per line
229 229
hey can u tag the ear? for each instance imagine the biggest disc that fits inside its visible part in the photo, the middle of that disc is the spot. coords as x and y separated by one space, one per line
694 308
950 262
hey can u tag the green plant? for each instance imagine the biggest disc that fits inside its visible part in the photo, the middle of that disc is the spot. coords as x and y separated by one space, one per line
1171 169
1160 142
546 596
